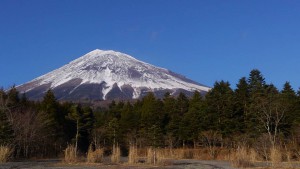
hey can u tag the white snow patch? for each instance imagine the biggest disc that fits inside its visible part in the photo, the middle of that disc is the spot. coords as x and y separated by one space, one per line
112 68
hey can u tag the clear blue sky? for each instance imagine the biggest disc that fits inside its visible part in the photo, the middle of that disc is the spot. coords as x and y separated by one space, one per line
206 41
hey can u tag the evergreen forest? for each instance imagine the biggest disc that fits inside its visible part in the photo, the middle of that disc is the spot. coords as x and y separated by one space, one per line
252 113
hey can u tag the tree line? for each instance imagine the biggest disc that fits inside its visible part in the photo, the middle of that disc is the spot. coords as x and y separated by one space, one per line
254 113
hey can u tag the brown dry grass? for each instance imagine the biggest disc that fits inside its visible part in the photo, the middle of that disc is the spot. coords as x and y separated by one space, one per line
253 155
150 156
182 153
5 153
241 158
275 157
116 154
155 156
133 155
95 156
160 156
70 154
199 153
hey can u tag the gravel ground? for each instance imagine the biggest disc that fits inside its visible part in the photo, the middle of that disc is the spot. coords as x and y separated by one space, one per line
171 164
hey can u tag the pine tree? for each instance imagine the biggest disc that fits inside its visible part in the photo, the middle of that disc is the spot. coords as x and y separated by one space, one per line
193 121
297 111
82 119
182 104
289 101
88 121
256 81
172 119
257 91
113 130
151 116
13 97
241 103
220 108
50 106
129 123
151 110
6 131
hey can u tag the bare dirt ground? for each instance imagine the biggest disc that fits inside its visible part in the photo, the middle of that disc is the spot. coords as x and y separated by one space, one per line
170 164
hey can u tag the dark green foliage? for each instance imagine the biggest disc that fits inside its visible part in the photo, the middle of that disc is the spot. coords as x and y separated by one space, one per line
241 103
83 122
13 97
129 124
256 81
172 118
6 132
226 116
221 108
151 118
288 99
50 106
193 121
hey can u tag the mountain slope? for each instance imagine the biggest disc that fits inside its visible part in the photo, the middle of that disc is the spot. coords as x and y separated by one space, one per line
101 75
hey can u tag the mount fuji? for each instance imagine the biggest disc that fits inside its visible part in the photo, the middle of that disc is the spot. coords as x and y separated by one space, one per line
107 75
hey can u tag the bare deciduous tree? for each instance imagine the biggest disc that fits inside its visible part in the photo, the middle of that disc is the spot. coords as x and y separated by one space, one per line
270 113
211 139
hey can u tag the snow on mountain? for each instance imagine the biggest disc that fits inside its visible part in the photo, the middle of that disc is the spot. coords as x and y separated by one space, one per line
102 73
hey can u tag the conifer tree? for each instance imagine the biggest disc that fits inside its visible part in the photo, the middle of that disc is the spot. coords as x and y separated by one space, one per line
113 130
151 115
297 111
220 108
241 103
172 119
257 91
193 121
129 123
6 131
150 110
256 81
13 97
50 106
182 104
82 119
289 100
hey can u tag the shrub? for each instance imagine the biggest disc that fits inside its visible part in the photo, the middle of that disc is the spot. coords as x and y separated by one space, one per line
116 153
133 155
150 156
95 156
5 153
70 154
240 158
275 156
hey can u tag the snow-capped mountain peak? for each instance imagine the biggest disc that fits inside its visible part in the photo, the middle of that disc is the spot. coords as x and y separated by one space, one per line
107 74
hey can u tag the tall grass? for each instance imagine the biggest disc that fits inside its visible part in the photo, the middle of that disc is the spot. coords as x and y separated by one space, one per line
151 156
162 155
5 153
241 158
70 154
95 156
116 154
132 155
275 157
253 155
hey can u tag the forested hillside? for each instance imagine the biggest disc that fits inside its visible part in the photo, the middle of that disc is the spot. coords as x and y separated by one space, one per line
253 113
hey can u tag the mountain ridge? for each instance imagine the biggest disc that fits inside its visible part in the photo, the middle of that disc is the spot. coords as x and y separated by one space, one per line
108 74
